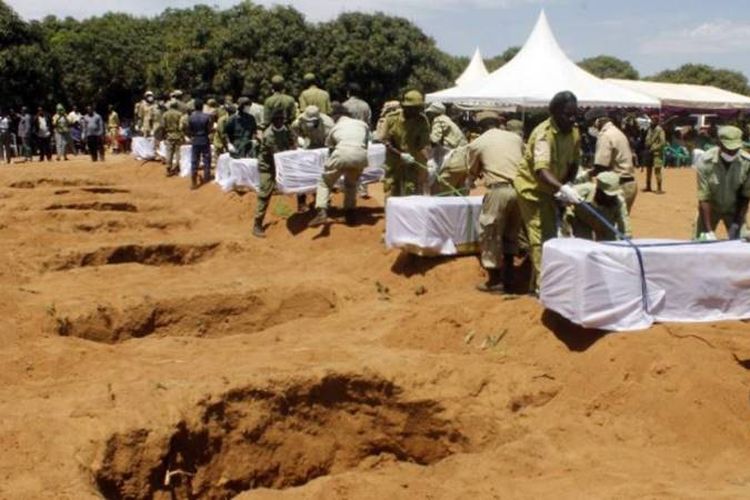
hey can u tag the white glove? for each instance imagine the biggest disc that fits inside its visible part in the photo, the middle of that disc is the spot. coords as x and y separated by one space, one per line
231 148
566 194
709 236
407 158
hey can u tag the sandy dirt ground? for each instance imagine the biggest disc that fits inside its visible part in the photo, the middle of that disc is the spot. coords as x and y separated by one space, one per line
152 348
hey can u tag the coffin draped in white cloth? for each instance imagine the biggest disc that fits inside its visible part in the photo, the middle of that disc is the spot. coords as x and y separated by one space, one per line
240 172
433 225
598 285
299 171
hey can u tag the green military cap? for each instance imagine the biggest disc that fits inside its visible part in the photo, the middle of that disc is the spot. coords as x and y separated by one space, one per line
148 93
730 137
277 79
176 93
60 108
243 101
515 126
608 183
412 99
212 102
436 108
309 77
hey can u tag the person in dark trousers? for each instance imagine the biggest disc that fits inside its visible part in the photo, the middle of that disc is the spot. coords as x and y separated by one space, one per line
93 133
198 128
24 133
42 127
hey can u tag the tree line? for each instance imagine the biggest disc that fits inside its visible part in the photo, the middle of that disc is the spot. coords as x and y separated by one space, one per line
207 51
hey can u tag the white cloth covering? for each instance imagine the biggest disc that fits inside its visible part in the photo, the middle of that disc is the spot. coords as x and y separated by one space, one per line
433 225
300 170
142 148
241 172
598 285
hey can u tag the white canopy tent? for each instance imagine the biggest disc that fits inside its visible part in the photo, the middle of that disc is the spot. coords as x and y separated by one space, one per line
476 70
684 95
539 71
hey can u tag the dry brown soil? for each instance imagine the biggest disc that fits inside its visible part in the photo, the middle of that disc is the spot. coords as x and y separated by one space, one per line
152 348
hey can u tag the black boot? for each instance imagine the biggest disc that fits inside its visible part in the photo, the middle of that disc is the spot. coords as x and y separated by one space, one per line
494 283
194 181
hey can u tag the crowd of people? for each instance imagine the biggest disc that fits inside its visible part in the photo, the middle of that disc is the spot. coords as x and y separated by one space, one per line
24 135
573 174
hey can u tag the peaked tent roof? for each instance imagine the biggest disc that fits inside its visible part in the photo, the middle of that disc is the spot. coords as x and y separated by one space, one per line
685 95
476 70
539 71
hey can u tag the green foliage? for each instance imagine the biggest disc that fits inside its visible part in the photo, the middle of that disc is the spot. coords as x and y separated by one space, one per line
702 74
495 62
609 67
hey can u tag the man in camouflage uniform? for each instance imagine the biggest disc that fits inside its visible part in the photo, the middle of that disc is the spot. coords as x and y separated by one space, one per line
113 129
174 131
550 163
276 138
407 139
314 96
656 141
723 187
219 140
279 101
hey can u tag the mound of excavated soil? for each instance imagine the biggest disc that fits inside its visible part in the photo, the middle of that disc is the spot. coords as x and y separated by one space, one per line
152 348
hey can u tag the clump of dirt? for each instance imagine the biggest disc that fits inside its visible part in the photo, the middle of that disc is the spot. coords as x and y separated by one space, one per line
96 206
279 436
167 254
212 315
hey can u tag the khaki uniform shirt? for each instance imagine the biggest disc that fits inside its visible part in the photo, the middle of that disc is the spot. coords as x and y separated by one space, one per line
349 138
656 139
359 109
279 100
496 154
446 133
173 129
315 96
408 136
314 137
722 186
613 151
616 214
551 149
